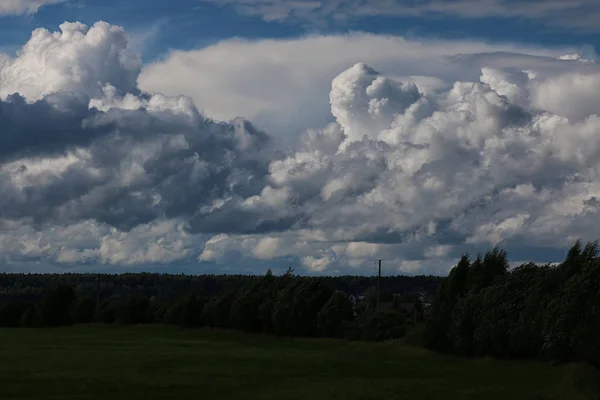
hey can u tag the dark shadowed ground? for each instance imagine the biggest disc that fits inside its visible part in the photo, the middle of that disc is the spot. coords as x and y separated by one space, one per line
153 362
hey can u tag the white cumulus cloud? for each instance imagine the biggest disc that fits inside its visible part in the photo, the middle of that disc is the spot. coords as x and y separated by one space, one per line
78 59
283 85
429 149
18 7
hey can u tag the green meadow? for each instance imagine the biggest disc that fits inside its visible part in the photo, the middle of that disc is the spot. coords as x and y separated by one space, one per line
155 362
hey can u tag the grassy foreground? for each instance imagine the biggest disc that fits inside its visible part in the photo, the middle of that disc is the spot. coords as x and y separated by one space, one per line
150 362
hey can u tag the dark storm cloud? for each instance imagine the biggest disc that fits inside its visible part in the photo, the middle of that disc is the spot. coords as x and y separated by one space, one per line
130 166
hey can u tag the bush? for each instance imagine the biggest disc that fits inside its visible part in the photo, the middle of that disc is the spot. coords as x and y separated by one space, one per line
380 326
416 335
11 314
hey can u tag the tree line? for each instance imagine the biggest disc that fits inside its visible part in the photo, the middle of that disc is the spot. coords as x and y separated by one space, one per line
548 311
33 287
287 305
482 308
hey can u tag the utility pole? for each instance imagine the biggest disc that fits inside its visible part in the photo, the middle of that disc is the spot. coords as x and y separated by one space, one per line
378 285
98 298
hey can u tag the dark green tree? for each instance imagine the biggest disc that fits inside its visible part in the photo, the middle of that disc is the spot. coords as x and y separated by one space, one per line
84 310
28 318
451 289
132 311
108 312
216 312
55 308
337 312
298 304
186 312
250 311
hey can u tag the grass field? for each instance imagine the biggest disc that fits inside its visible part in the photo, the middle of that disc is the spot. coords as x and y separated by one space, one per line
97 362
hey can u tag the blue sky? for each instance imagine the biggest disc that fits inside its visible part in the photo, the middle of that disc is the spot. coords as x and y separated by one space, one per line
237 135
188 24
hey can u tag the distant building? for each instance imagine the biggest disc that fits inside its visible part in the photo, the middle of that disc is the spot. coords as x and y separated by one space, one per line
356 299
398 302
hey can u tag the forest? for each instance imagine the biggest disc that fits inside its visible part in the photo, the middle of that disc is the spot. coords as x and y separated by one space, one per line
482 308
284 305
116 287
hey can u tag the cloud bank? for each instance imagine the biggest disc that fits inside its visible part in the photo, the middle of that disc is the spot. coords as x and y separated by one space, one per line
80 144
413 168
269 81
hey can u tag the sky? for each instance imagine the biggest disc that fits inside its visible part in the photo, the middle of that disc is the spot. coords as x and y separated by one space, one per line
233 136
